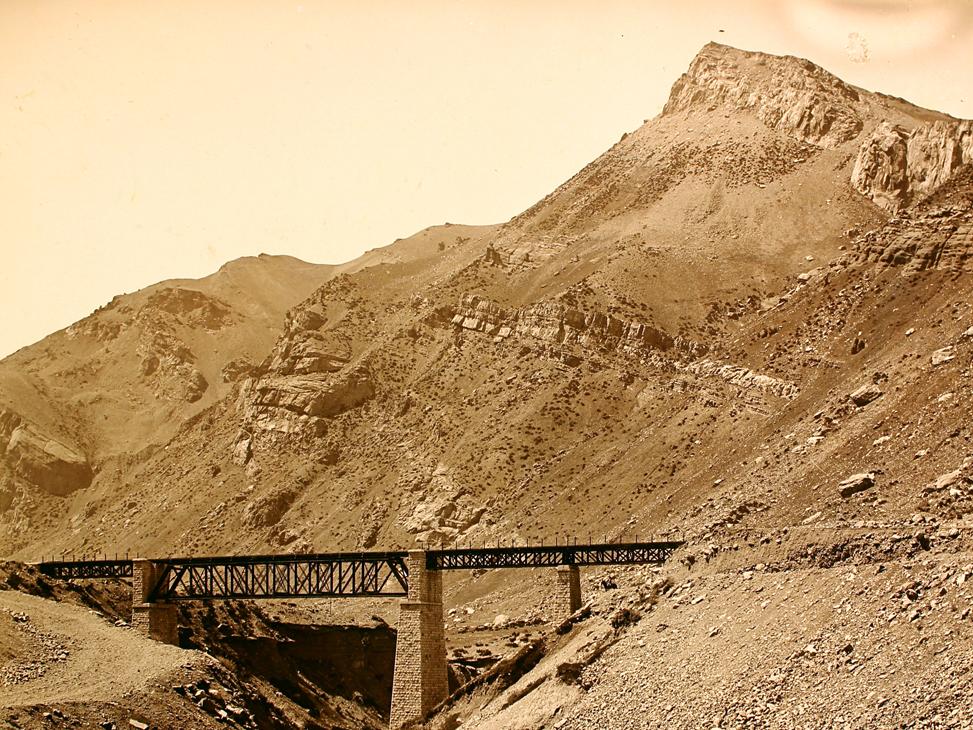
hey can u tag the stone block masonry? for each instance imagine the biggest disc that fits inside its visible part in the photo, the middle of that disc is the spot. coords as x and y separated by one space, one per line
567 593
420 682
156 620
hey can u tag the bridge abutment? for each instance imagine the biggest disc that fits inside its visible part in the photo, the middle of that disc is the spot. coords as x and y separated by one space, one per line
157 620
567 595
420 680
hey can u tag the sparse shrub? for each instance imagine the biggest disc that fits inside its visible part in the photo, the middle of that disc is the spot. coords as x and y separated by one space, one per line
570 672
625 617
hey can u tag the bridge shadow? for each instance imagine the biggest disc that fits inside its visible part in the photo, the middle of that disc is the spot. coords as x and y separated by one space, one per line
331 673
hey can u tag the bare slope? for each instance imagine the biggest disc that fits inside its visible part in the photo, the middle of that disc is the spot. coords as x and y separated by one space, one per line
783 631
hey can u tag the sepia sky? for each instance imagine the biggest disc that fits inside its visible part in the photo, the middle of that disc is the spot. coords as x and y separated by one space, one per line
141 141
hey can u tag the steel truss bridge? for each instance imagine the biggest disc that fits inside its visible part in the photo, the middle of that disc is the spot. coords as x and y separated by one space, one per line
344 575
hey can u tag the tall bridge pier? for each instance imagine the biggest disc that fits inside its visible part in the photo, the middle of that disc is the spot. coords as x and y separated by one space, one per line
420 677
420 680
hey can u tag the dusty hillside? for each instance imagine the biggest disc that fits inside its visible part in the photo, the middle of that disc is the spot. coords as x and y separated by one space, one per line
87 403
124 377
793 628
830 550
750 316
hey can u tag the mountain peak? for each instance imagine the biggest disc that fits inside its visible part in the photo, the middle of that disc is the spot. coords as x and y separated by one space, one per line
787 93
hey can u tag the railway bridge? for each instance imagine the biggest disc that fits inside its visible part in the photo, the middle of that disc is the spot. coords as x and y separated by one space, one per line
415 576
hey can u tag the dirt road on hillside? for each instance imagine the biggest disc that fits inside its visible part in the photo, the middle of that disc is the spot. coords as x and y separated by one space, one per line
58 653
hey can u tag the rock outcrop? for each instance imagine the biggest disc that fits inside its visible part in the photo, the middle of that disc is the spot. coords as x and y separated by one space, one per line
170 366
443 511
743 378
191 307
269 509
237 370
920 240
897 166
167 362
295 404
42 461
788 94
314 373
556 323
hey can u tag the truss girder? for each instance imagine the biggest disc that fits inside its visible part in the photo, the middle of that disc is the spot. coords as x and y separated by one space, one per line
69 569
544 556
283 576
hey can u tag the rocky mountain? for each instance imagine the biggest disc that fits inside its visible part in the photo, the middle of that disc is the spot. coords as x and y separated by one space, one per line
440 387
749 319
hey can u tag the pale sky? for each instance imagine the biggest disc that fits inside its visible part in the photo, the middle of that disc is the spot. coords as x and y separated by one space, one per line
141 141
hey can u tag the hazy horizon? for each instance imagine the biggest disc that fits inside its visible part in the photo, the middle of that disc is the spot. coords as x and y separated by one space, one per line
147 142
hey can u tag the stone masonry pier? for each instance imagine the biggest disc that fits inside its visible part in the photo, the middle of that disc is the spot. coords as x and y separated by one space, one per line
420 679
567 594
155 619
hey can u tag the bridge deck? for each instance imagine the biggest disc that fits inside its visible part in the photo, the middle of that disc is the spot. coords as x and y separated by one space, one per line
345 575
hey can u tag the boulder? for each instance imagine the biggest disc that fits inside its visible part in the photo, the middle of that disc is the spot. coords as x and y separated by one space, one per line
961 477
865 394
942 355
856 483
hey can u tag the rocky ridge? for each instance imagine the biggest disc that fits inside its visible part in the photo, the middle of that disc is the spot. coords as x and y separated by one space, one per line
786 93
385 344
556 323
